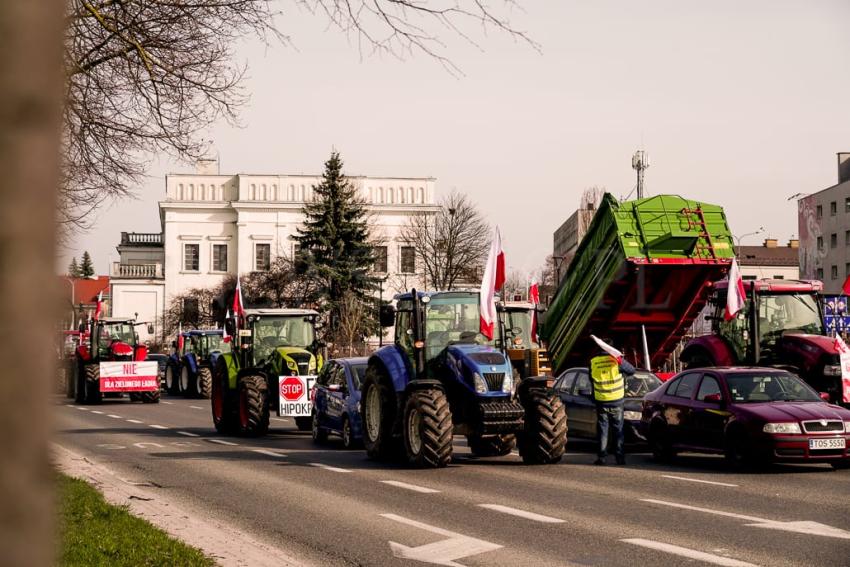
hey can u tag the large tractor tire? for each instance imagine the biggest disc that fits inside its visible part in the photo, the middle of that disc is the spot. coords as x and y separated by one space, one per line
253 406
91 384
222 401
203 383
378 414
149 397
491 445
171 378
544 437
186 385
428 429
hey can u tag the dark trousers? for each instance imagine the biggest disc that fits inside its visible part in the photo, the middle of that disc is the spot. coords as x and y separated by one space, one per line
610 415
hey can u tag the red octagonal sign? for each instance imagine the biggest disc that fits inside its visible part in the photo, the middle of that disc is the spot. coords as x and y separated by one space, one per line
291 389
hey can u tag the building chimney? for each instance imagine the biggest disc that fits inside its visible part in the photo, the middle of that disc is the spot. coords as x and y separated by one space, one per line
794 243
771 243
843 167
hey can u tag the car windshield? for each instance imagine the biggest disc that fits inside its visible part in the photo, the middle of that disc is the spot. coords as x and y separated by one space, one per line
641 383
518 326
753 387
359 375
123 332
271 332
452 318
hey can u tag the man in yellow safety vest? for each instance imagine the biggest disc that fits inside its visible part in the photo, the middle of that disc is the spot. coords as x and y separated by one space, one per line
606 374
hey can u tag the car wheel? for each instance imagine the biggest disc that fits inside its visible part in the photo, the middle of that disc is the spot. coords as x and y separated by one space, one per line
738 452
347 435
659 442
319 435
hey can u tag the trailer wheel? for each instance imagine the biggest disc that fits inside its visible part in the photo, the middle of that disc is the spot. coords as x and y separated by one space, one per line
428 429
222 403
149 397
170 379
91 385
203 383
253 406
491 445
544 436
378 413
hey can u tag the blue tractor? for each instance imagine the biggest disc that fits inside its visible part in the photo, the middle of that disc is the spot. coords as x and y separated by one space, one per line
441 377
189 369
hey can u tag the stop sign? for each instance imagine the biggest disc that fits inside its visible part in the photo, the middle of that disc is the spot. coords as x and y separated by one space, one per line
291 388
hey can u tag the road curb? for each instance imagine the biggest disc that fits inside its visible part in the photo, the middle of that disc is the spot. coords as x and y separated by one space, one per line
227 546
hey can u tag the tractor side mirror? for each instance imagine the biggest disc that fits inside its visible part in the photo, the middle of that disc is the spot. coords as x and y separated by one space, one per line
387 316
230 326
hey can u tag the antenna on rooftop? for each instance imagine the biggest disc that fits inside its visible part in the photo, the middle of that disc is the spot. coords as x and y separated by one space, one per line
640 162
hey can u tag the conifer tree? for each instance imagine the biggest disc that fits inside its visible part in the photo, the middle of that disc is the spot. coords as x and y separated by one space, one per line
86 266
74 268
334 248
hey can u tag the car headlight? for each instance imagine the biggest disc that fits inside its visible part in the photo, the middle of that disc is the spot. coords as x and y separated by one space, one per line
508 383
847 427
832 370
781 428
478 382
632 415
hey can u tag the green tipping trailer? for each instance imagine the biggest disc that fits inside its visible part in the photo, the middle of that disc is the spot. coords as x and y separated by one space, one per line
645 263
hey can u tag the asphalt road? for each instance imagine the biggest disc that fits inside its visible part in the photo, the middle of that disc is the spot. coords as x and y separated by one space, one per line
335 507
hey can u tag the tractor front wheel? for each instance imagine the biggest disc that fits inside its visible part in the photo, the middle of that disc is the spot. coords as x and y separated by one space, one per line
203 383
91 385
253 406
544 437
171 379
491 445
378 410
222 403
428 429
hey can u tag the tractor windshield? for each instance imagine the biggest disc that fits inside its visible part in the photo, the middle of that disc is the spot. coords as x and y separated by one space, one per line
214 343
452 319
518 328
275 331
788 312
123 332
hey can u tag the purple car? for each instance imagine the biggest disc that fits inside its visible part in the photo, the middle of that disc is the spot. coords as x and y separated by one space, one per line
749 414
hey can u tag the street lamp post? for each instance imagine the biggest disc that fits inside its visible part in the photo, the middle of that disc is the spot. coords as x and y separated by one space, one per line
739 238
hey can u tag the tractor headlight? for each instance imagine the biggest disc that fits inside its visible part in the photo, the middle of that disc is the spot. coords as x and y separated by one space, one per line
508 383
478 382
832 370
291 364
781 428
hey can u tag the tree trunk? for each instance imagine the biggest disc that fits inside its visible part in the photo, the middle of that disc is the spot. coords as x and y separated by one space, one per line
30 104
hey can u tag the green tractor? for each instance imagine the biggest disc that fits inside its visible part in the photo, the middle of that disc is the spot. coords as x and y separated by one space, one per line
272 366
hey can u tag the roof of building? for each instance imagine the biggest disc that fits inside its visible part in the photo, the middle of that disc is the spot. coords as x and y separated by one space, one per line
85 289
768 256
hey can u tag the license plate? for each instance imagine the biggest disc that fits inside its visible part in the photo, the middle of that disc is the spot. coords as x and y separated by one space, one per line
826 443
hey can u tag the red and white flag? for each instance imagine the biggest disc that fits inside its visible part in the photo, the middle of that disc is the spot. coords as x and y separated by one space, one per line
534 298
846 287
494 279
607 348
180 338
99 308
225 336
735 296
238 304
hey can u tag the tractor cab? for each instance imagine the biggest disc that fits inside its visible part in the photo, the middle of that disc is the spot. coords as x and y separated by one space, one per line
113 339
280 339
518 339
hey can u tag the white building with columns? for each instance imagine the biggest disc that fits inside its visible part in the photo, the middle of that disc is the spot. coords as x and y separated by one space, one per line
214 225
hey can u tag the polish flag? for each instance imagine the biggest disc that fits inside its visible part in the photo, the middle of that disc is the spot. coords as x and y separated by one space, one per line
180 338
534 298
846 287
844 360
238 304
225 337
99 308
735 297
607 348
494 279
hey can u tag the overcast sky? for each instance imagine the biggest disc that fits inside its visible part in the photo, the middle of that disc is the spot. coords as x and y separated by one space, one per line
741 104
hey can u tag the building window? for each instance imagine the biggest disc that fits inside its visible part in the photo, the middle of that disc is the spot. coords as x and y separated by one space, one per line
219 257
820 242
847 269
380 259
779 277
191 310
833 272
833 240
833 208
408 259
191 257
847 238
820 273
263 257
746 277
819 211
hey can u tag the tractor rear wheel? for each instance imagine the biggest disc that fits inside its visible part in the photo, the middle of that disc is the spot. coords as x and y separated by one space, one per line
491 445
171 379
149 397
253 406
428 429
203 383
91 385
70 379
222 401
378 413
544 437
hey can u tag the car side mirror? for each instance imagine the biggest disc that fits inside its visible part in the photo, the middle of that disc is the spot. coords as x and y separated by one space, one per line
387 316
712 398
824 396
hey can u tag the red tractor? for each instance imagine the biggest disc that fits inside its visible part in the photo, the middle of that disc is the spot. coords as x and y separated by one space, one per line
111 361
781 325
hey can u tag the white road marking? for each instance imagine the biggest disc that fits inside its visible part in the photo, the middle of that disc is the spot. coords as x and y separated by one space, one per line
269 453
412 487
148 444
81 408
443 552
97 412
698 480
196 407
223 442
328 467
169 403
188 434
689 553
802 527
69 405
135 421
112 415
155 426
522 513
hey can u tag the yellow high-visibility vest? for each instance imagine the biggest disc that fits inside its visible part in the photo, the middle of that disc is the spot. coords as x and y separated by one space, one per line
608 384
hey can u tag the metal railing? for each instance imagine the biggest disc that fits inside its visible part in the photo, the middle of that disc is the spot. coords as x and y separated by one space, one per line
141 238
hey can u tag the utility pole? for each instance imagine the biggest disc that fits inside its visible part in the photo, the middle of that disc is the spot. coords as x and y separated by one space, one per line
640 162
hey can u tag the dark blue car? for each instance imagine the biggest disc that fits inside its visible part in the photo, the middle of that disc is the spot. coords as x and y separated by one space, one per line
336 400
